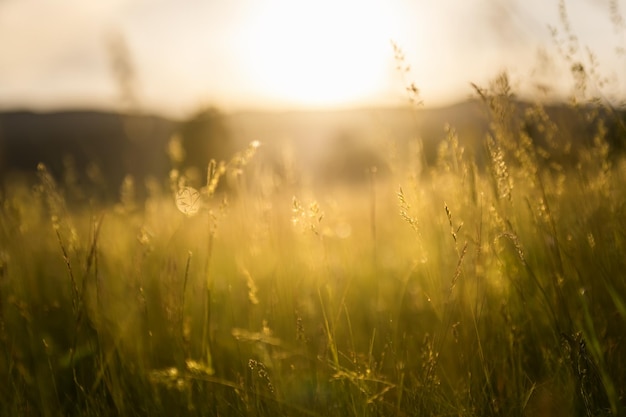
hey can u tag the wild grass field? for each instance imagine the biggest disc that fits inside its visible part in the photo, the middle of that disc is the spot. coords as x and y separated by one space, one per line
447 289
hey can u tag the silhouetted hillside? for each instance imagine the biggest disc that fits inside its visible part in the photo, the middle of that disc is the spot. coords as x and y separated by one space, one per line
309 135
100 149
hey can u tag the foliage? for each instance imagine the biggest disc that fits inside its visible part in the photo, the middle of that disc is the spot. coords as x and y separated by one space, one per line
203 136
461 292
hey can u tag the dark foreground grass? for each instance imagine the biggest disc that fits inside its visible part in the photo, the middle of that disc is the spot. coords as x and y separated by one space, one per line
452 290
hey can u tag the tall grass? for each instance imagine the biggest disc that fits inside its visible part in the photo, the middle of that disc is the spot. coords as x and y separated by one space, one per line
452 289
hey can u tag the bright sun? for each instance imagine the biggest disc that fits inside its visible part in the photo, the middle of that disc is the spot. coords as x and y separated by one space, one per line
319 54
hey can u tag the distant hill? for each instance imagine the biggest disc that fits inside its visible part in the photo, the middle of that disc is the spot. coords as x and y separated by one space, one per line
98 147
101 148
310 135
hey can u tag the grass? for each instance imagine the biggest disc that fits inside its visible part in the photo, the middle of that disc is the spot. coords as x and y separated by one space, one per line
450 290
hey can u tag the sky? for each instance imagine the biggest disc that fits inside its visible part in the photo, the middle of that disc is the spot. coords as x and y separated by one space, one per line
175 56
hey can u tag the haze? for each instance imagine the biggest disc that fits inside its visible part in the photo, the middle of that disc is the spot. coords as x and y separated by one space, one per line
280 54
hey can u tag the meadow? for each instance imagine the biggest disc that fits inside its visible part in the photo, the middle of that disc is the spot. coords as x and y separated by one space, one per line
452 288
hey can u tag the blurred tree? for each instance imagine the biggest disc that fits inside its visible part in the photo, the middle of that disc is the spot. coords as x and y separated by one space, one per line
349 159
204 136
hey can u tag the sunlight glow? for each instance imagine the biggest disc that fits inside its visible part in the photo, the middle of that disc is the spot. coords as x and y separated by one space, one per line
319 54
285 54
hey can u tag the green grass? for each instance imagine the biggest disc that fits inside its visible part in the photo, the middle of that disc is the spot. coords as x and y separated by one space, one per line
445 290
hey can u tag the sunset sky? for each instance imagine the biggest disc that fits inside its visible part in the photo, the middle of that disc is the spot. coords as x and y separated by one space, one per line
285 54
